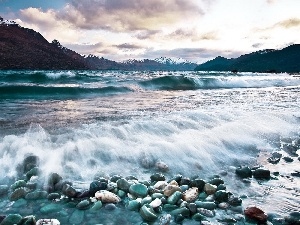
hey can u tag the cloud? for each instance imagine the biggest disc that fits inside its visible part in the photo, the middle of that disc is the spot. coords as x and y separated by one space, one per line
192 34
128 46
290 23
127 15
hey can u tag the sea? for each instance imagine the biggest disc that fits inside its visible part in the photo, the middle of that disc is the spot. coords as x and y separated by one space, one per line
199 124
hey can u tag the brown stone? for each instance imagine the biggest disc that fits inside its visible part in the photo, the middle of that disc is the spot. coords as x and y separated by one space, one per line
256 214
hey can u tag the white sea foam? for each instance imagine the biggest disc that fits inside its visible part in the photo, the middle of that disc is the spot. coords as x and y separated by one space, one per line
59 74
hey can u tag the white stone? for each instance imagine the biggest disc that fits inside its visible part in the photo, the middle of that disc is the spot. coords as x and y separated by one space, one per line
156 203
107 196
162 166
160 185
191 194
48 222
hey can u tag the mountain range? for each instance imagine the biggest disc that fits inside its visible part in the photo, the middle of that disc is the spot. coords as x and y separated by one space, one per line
23 48
269 60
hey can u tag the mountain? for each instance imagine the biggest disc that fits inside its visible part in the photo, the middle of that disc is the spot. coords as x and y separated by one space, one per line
269 60
23 48
100 63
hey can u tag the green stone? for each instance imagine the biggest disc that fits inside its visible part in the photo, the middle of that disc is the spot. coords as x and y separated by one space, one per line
198 217
147 213
221 196
50 208
202 196
169 207
206 205
97 206
19 203
76 217
123 184
17 194
18 184
173 199
183 211
133 205
138 190
36 195
121 193
146 200
12 219
244 172
84 204
157 195
33 172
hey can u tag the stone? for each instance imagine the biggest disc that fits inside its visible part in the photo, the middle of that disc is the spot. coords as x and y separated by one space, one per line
18 184
19 203
216 181
83 205
30 162
107 197
165 219
29 220
185 181
202 196
235 201
36 195
223 205
53 196
115 178
97 206
210 189
97 186
111 186
3 190
138 190
183 211
199 183
76 217
48 222
17 194
256 214
134 205
174 197
192 207
177 178
206 205
161 166
178 218
160 185
155 203
221 187
69 191
191 194
169 207
12 219
170 189
157 177
288 159
198 217
33 172
221 196
275 158
53 179
121 193
110 206
147 213
261 173
184 188
206 212
123 184
50 208
293 218
243 172
157 195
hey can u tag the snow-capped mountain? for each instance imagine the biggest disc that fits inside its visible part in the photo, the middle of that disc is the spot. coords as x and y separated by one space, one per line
172 60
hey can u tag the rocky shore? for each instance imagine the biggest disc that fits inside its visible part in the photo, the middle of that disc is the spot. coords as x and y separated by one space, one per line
38 199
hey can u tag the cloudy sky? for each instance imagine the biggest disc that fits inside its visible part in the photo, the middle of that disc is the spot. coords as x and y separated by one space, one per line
196 30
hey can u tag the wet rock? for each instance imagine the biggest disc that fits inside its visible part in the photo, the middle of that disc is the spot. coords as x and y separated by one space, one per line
202 196
235 201
84 194
50 208
293 218
296 174
53 179
261 173
165 219
17 194
48 222
155 203
30 162
76 217
243 172
178 218
210 189
123 184
172 199
18 184
121 193
221 187
177 178
19 203
157 195
206 205
33 172
134 205
206 212
192 207
198 217
216 181
256 214
161 166
97 206
3 190
223 205
12 219
157 177
115 178
288 159
36 195
168 207
221 196
160 185
84 204
110 207
199 183
107 197
69 191
111 186
28 220
147 213
191 194
146 200
138 190
185 181
184 188
97 186
170 189
183 211
53 196
275 158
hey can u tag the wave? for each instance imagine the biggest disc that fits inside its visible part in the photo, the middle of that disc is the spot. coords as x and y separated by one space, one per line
57 92
219 82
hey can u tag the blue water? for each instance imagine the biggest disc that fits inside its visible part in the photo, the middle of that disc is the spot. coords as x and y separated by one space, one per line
82 123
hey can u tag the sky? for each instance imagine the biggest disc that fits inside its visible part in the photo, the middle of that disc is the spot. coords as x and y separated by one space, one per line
195 30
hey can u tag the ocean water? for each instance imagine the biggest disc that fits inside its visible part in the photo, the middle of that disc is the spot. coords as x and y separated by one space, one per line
83 123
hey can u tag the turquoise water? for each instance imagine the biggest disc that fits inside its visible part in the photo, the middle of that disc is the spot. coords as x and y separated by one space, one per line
80 123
